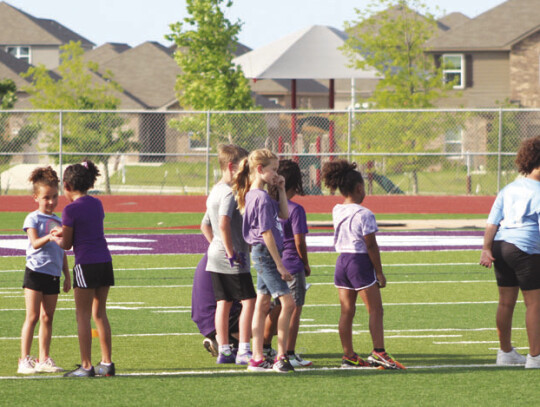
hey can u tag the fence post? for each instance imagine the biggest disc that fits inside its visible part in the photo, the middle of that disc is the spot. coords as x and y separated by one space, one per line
499 148
60 146
207 152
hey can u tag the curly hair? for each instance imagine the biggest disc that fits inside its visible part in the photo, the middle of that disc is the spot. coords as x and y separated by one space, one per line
81 177
342 175
43 176
528 156
290 170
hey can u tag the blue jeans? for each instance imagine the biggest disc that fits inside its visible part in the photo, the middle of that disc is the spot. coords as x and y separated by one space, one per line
269 281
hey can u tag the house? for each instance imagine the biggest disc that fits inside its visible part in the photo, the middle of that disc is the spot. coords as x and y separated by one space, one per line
34 40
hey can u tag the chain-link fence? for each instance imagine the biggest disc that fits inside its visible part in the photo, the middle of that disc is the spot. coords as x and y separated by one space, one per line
427 152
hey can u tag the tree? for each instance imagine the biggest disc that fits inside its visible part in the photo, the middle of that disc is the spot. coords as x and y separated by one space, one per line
393 42
79 86
206 41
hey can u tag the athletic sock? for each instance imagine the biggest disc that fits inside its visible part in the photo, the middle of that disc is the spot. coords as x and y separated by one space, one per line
290 353
379 350
105 364
243 347
225 349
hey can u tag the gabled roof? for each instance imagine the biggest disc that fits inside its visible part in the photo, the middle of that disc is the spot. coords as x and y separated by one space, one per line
497 29
453 20
20 28
105 52
147 72
12 68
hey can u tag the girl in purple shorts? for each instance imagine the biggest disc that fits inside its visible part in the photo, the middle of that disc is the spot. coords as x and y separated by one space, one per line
82 229
358 267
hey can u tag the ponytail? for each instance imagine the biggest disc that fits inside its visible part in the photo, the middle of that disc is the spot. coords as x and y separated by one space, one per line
241 184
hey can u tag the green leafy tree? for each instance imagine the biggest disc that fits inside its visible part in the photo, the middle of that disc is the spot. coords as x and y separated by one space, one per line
392 41
80 87
206 41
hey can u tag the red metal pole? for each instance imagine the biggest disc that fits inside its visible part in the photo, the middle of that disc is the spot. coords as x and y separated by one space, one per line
331 98
293 119
318 170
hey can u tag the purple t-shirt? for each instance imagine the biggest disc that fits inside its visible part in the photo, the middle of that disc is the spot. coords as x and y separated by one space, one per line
260 215
295 225
85 215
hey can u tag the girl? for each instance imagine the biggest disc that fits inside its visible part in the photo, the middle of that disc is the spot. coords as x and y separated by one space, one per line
512 243
358 267
44 263
295 256
82 228
262 230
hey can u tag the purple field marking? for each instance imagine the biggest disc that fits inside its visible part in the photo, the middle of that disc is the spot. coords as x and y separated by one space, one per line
197 244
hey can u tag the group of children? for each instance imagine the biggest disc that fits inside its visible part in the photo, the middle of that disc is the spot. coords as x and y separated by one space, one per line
250 215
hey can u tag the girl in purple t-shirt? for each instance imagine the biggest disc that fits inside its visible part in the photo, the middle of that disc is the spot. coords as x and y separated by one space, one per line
262 230
358 267
82 228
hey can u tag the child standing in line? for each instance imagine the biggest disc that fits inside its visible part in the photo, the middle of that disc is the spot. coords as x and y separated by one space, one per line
44 263
82 228
228 259
358 267
262 230
295 257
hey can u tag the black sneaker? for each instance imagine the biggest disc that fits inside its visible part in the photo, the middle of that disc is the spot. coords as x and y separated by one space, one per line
80 372
283 365
104 370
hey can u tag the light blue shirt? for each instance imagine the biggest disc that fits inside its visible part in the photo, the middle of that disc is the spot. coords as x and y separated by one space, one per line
48 259
517 211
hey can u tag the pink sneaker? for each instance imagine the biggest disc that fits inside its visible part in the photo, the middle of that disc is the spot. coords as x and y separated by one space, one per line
260 365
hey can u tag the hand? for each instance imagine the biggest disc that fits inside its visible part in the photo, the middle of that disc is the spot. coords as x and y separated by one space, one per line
486 258
239 258
56 231
381 280
67 283
307 270
285 275
280 182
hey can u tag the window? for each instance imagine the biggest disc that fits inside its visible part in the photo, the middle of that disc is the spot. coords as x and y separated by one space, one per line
453 142
197 142
20 53
454 69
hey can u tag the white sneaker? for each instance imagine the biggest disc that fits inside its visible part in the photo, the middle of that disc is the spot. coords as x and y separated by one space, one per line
297 361
48 366
533 362
27 365
511 358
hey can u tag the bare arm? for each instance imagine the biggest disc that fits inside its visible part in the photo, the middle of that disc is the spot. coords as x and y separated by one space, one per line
270 243
486 257
63 237
283 205
375 257
226 236
206 230
36 241
301 248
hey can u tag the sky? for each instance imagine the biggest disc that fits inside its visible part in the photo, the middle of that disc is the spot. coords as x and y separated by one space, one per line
264 21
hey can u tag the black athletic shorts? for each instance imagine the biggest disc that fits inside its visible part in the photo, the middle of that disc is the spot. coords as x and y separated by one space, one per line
233 287
514 267
93 275
42 282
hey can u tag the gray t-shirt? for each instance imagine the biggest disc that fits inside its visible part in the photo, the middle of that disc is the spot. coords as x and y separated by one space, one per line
219 203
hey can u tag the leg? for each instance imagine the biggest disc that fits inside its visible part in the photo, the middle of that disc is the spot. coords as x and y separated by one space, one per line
287 308
270 326
32 301
83 310
223 309
262 305
246 319
294 327
532 302
505 311
99 314
347 299
48 306
371 297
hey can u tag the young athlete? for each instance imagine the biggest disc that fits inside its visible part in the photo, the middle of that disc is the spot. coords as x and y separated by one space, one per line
512 244
82 228
358 267
45 261
295 257
262 230
228 259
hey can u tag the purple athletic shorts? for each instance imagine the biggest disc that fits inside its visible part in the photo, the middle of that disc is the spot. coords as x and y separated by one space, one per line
354 271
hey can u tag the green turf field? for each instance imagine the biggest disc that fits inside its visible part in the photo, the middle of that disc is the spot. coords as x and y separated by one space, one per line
439 321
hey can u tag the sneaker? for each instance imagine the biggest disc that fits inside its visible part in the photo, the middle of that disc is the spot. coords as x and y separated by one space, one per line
104 370
282 365
80 372
211 346
354 361
511 358
264 365
384 360
244 358
297 361
222 358
533 362
269 353
27 365
47 366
